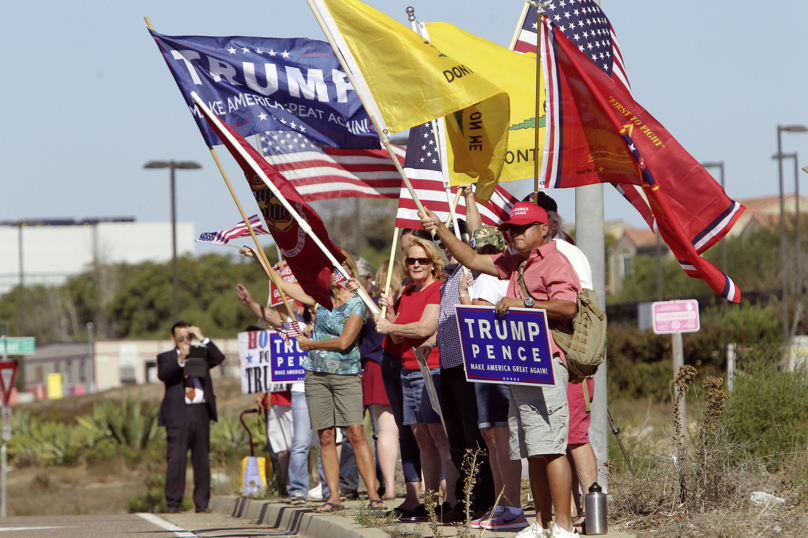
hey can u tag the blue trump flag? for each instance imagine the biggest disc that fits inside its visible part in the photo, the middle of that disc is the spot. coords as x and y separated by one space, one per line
260 84
513 349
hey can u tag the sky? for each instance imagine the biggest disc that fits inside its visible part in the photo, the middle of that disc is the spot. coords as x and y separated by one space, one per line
87 99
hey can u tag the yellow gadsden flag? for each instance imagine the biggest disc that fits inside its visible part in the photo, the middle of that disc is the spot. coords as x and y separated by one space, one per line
513 72
407 82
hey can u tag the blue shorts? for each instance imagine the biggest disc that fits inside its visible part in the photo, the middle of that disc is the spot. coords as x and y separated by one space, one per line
493 401
417 406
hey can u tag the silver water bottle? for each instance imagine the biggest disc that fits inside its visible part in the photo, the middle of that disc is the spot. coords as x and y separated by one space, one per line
595 508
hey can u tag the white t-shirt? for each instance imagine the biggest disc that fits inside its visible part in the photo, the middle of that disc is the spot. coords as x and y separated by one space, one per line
578 261
489 288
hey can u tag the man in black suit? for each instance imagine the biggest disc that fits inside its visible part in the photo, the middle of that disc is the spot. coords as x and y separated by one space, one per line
187 409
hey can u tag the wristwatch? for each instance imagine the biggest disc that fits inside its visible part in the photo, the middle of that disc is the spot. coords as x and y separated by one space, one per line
529 302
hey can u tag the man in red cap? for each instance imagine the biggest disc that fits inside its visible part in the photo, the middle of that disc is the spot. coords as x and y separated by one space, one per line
539 416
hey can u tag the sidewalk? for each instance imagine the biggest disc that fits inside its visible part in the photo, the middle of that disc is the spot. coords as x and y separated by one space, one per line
304 523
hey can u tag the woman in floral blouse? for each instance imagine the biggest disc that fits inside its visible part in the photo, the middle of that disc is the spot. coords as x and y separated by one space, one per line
333 386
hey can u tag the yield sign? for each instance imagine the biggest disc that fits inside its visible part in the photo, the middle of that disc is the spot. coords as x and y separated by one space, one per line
8 373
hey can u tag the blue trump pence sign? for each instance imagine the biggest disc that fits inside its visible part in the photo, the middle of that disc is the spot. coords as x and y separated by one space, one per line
513 349
265 359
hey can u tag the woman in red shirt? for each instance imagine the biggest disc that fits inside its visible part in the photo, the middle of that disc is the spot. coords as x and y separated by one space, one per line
411 324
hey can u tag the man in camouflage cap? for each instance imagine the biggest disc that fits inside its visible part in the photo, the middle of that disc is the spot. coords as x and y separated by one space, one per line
488 236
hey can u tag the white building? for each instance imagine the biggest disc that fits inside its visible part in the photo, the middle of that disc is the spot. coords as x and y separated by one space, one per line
54 250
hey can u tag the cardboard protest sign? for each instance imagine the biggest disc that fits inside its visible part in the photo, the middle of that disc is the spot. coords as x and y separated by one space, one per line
285 273
512 350
266 359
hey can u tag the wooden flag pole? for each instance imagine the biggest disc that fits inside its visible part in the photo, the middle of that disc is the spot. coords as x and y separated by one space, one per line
518 30
305 226
452 205
364 99
390 269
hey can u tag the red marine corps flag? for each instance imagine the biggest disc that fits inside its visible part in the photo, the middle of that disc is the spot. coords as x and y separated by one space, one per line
309 263
596 133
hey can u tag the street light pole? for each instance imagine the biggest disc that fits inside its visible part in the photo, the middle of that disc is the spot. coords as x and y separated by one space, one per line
22 283
720 165
173 165
175 278
779 157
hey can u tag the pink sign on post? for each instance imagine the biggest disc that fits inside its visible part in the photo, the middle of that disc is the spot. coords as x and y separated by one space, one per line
676 316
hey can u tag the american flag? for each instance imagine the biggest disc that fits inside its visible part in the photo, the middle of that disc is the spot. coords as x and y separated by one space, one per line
586 25
292 332
340 279
240 230
319 172
424 170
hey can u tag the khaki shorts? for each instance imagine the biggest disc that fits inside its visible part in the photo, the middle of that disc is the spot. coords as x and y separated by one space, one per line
538 417
334 400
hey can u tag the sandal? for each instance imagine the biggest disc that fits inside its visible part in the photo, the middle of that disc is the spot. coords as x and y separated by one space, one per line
327 508
378 504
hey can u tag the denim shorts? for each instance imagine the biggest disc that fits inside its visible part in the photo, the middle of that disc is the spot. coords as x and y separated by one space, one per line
417 405
493 400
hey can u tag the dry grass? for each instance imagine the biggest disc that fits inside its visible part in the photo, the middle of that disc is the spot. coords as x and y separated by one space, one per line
702 484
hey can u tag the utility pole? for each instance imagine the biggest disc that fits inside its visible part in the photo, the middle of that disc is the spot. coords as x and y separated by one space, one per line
589 237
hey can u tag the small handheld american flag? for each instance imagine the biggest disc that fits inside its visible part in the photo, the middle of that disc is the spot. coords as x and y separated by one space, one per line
240 230
340 279
292 332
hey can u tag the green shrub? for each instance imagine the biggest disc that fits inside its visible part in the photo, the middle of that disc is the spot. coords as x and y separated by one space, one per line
131 456
102 451
640 361
768 407
130 423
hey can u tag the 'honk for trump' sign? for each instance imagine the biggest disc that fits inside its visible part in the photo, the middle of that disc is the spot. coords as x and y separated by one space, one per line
265 359
513 349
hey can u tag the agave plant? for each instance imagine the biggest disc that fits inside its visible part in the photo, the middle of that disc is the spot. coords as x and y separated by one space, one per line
129 423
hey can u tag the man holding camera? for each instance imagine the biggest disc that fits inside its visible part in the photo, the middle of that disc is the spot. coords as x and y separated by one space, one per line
187 409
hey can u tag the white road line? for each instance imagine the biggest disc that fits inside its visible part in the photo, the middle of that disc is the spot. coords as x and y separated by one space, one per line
179 532
9 529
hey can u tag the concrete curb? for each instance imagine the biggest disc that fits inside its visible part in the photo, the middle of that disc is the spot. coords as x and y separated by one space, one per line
299 520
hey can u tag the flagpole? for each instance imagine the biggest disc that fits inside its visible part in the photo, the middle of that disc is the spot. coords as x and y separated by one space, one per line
277 193
518 29
390 269
364 99
539 11
268 268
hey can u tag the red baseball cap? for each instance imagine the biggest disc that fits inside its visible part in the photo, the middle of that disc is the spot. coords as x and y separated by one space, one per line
524 213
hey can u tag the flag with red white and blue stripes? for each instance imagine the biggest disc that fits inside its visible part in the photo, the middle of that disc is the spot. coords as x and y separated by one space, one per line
240 230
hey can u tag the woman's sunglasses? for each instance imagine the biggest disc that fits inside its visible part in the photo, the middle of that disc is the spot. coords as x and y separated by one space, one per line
419 261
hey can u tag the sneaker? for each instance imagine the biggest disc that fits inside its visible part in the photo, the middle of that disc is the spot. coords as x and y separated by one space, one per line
316 494
504 518
558 532
477 523
297 499
534 531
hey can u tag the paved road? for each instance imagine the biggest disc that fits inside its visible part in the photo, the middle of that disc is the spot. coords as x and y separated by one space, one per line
130 525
